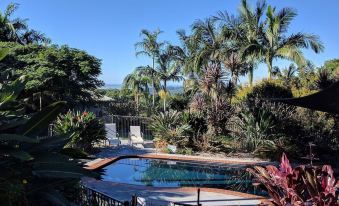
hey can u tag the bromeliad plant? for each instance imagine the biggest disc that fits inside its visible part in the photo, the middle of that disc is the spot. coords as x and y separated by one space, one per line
303 185
85 129
169 129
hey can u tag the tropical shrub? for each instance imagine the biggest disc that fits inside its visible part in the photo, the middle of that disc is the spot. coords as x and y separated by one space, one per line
168 127
302 185
269 89
241 94
33 171
85 129
253 132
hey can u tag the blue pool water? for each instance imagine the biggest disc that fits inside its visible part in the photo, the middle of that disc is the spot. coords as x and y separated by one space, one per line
166 173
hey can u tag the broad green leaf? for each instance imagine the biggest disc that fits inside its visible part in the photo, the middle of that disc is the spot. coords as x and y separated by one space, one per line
16 137
9 92
43 118
55 198
22 155
57 174
12 124
3 53
55 143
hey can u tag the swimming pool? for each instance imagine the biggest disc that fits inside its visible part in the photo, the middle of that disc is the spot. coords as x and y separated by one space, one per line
168 173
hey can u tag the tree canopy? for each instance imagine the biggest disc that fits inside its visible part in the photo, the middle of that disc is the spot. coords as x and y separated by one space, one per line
59 72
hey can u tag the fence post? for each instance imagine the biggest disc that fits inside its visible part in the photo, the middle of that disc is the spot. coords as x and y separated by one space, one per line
198 200
126 203
134 200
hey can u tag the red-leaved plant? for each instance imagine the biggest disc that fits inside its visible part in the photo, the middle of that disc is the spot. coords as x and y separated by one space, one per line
303 185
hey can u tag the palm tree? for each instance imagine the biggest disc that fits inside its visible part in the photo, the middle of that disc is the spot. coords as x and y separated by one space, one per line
210 43
252 27
16 30
138 84
168 69
153 75
274 42
150 47
186 54
237 65
286 75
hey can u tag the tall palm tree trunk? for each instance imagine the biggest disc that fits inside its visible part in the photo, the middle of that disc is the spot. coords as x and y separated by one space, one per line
250 76
137 101
165 89
153 93
269 63
153 85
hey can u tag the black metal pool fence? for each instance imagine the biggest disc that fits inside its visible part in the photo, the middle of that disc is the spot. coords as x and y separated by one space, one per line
89 197
123 124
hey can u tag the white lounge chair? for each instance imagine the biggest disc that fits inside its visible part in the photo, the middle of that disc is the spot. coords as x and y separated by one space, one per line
112 135
135 136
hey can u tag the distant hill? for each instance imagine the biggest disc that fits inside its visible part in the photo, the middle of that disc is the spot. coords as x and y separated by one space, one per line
172 89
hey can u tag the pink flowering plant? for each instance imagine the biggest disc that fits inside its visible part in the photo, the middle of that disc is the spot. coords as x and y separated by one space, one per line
302 185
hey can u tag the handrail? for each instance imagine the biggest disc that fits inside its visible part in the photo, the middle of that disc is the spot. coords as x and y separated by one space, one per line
90 196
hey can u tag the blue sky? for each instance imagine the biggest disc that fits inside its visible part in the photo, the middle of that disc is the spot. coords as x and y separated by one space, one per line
108 29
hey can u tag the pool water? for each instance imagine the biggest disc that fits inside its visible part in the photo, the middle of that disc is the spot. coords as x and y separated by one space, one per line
167 173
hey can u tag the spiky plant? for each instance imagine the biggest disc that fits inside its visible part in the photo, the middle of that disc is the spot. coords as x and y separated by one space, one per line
168 126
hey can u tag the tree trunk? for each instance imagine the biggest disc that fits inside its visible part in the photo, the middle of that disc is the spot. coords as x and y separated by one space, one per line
137 102
250 77
153 93
153 85
269 63
165 89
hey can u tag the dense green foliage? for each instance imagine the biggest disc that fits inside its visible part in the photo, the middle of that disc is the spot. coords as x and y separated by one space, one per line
37 76
213 113
219 50
225 116
54 73
33 171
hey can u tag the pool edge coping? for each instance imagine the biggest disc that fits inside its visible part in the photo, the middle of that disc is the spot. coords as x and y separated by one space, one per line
106 161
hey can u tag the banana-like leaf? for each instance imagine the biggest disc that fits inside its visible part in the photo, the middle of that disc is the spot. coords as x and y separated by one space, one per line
56 174
43 118
55 198
52 144
22 155
13 124
9 92
16 137
55 162
3 53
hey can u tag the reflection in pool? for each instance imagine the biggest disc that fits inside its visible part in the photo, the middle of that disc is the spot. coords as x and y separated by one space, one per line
166 173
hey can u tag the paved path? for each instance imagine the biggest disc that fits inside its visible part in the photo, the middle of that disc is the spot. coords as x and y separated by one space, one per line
164 196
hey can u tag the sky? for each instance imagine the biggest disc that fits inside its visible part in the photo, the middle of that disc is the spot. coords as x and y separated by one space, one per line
108 29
